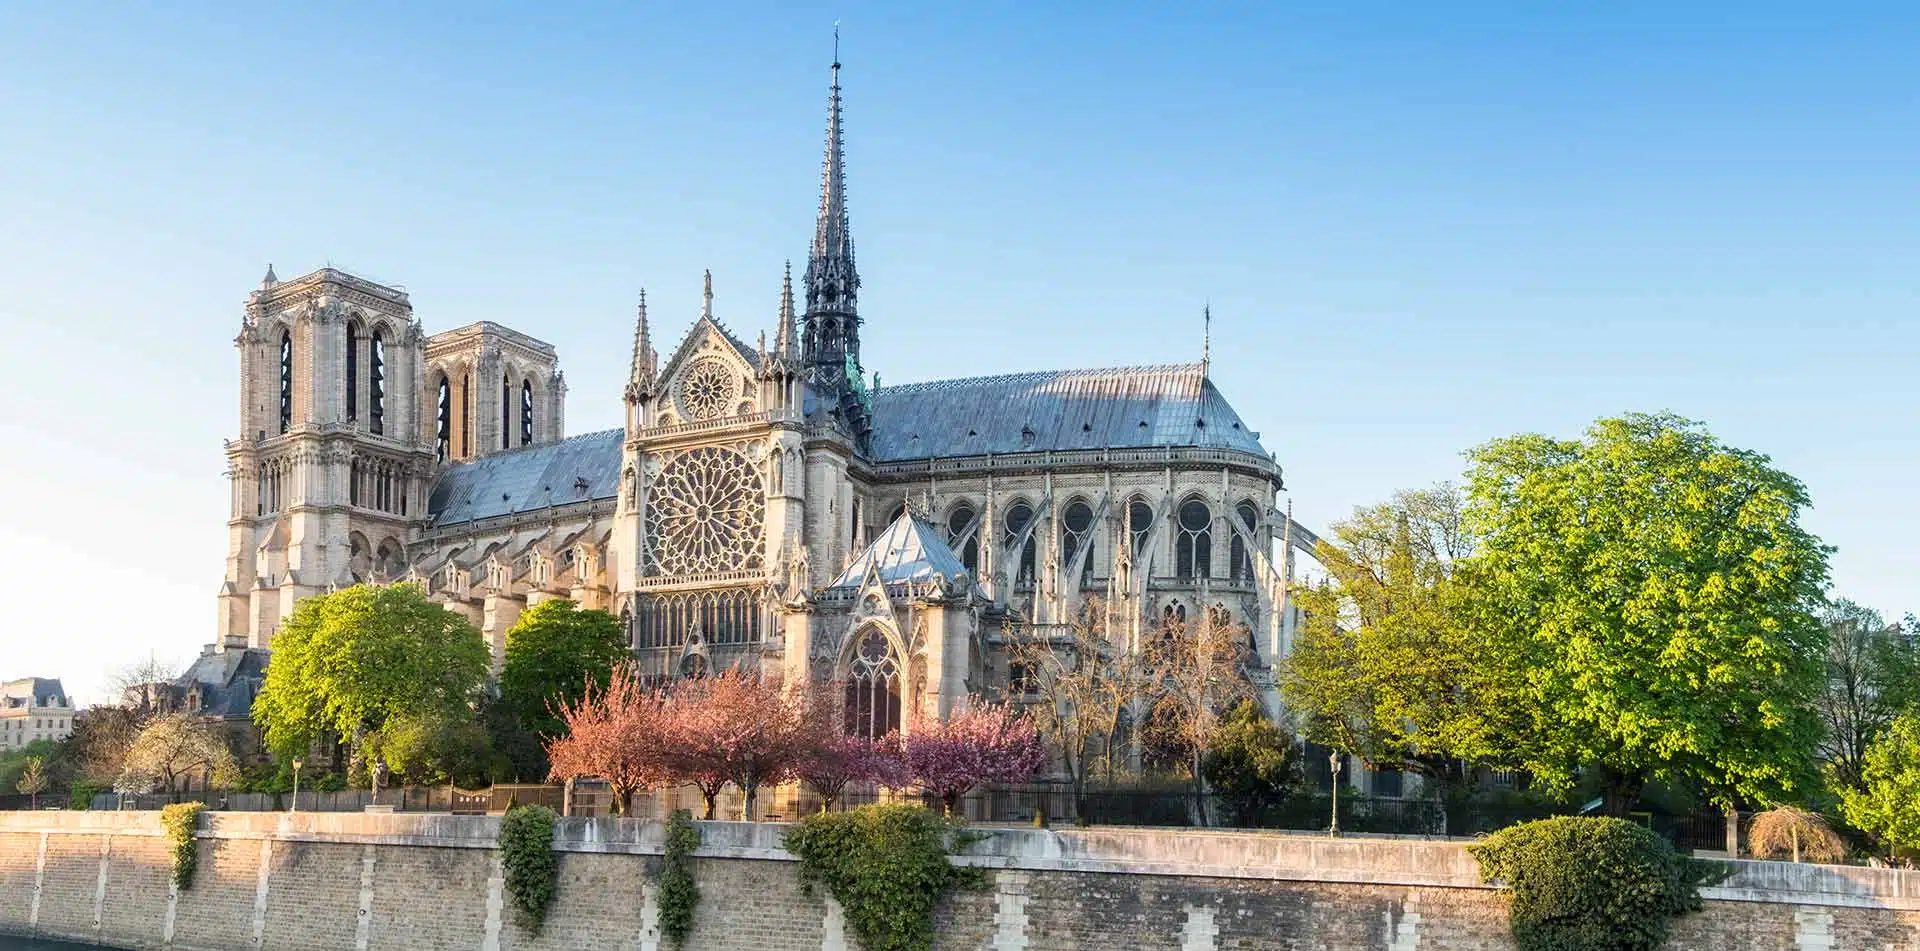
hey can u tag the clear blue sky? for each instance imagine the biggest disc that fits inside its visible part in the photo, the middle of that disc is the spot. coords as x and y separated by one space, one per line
1420 227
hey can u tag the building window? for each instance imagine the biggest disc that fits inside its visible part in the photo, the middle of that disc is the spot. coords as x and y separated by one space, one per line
1193 550
1139 525
443 420
466 414
353 372
377 381
1242 556
526 412
722 617
1019 515
286 380
958 522
873 689
506 412
1076 535
1021 680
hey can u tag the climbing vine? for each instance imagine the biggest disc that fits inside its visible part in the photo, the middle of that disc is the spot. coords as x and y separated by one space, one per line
678 893
1591 884
526 847
181 820
887 866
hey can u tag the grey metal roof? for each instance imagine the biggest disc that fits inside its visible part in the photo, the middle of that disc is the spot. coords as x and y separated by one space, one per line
530 478
908 551
228 679
1124 407
45 691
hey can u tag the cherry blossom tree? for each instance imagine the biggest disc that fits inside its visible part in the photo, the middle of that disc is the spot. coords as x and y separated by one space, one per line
620 734
736 727
985 743
835 760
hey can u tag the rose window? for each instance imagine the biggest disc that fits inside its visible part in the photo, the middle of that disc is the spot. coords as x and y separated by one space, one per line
704 514
708 389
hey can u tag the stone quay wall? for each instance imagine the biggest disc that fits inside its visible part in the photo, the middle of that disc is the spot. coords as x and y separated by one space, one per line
331 882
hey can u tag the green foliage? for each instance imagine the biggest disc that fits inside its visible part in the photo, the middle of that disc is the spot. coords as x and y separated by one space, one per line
1887 806
678 893
1873 674
80 794
33 777
350 661
553 652
1591 884
1652 591
432 749
1385 665
1252 765
887 866
180 820
528 863
329 782
14 763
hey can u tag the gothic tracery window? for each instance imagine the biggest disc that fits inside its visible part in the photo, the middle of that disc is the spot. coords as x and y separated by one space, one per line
1076 535
1242 556
872 708
704 514
1193 548
1139 524
506 412
353 372
707 390
443 420
1018 515
958 521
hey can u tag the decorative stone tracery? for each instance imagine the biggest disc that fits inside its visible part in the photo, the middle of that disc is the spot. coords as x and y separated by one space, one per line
705 514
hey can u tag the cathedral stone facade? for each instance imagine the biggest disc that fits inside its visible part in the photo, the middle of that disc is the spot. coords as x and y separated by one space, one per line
764 505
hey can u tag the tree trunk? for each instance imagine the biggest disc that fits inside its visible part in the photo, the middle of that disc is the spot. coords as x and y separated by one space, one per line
1619 791
752 792
713 803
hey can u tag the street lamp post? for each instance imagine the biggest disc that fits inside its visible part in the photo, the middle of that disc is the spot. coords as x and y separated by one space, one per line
1333 761
296 787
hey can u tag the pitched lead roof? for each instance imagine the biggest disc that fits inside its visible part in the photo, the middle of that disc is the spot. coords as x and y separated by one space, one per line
530 478
1123 407
908 551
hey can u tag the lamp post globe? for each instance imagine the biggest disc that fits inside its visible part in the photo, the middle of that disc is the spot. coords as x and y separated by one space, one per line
1333 764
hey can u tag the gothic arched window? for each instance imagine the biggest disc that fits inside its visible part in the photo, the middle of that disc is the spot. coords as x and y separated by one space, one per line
506 412
1193 548
1019 514
526 412
958 521
377 381
1139 527
466 414
443 419
286 380
873 688
353 372
1076 535
1242 557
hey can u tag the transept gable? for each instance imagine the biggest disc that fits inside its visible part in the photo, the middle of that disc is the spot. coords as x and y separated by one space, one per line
710 376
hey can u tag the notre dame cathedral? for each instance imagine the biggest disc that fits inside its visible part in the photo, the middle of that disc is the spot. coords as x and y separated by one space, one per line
765 505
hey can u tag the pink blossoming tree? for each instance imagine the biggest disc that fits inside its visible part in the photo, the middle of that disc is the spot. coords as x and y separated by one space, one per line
986 743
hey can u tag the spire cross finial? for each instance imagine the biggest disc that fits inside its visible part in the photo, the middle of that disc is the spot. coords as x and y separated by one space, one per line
706 300
836 44
1206 338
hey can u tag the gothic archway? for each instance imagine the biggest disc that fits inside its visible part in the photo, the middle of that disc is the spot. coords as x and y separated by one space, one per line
873 679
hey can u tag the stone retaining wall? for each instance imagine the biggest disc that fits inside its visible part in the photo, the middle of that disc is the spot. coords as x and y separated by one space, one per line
371 883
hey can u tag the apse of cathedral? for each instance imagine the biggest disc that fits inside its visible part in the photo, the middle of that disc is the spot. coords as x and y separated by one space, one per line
766 505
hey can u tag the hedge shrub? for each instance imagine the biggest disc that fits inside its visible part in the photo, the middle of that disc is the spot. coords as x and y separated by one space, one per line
887 866
527 860
1591 884
181 820
679 895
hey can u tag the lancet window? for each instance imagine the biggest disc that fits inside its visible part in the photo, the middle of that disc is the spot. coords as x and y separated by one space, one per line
353 372
1242 556
526 412
958 521
1076 535
722 618
286 380
443 420
1019 514
377 381
1139 526
872 702
506 412
1193 547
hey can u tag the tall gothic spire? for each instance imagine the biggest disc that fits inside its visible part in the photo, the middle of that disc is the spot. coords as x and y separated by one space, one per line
783 337
641 379
833 284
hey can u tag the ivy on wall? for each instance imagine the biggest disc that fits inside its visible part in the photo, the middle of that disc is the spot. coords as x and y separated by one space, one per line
527 860
887 866
181 820
678 893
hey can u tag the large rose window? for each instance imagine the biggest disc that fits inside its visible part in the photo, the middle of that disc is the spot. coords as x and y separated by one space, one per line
704 514
708 389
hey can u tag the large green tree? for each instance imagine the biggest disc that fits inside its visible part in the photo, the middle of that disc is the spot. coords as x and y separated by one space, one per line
1385 666
1873 673
1887 804
1658 592
554 652
351 662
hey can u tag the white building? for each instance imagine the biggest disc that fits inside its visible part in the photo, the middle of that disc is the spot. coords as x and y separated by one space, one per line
33 708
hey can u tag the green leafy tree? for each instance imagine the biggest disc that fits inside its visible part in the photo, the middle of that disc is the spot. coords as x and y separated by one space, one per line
1657 591
349 662
433 749
1887 806
1873 671
1253 764
1384 666
554 652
